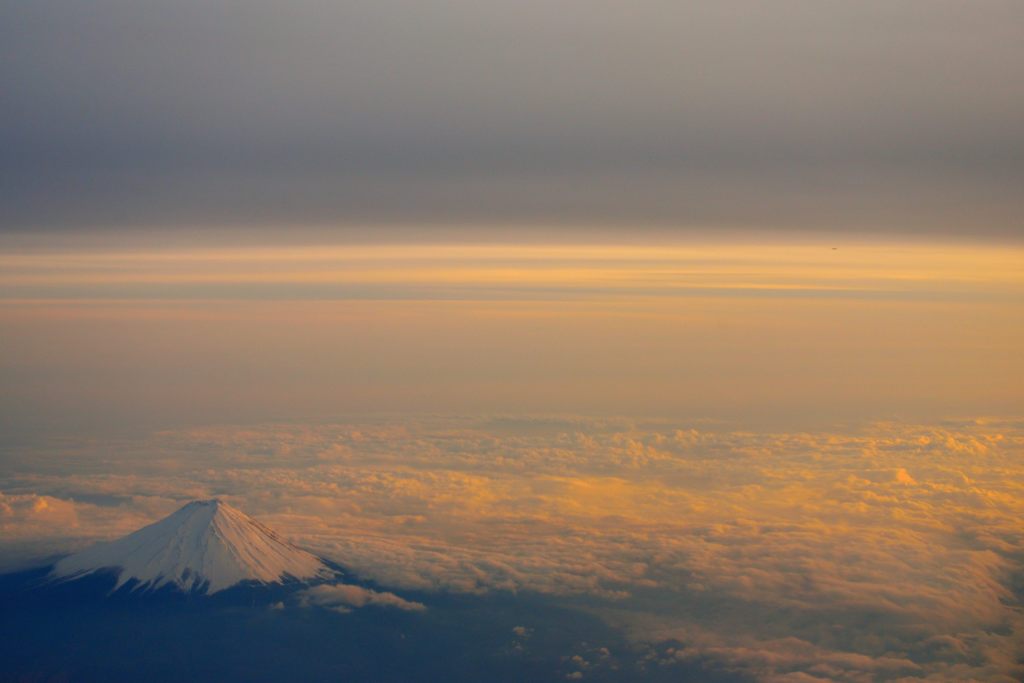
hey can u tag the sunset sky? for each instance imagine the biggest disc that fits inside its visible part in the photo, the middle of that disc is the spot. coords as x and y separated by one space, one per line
705 318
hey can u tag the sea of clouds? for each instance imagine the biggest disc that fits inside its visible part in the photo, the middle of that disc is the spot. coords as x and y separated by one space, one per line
888 551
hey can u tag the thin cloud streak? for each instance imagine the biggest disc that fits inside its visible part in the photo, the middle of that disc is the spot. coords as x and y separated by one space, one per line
516 270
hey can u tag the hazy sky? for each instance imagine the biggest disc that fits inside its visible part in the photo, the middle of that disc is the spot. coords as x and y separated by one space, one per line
860 116
218 210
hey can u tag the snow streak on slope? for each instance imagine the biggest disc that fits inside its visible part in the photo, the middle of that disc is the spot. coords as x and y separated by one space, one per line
206 545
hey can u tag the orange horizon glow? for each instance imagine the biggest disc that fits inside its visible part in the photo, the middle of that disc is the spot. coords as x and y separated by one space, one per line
744 330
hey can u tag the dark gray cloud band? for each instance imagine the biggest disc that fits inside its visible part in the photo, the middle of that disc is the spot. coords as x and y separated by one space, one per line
794 114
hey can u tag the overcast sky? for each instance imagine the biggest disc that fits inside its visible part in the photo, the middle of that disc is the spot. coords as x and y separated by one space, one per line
900 117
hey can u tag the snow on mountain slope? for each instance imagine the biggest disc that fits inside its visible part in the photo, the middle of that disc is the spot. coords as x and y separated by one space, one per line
204 544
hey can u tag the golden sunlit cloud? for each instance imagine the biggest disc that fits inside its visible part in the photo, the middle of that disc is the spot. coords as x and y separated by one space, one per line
739 544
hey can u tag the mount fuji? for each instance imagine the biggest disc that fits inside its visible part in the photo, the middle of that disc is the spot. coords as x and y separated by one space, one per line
204 547
210 595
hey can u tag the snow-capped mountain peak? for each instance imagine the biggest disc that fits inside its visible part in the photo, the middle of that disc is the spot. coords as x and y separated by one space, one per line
206 545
